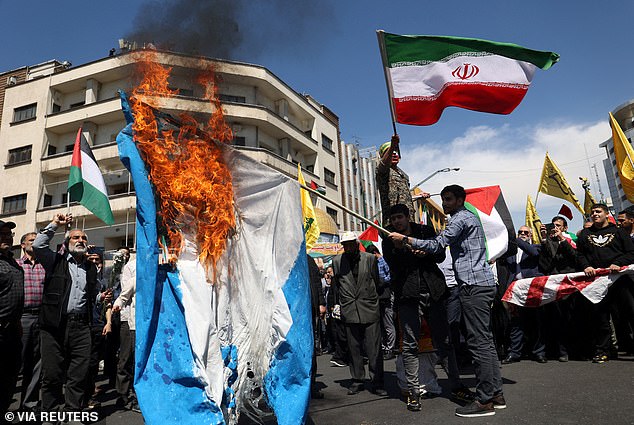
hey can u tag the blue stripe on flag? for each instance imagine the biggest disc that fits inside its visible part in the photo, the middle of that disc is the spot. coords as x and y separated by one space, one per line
166 385
287 382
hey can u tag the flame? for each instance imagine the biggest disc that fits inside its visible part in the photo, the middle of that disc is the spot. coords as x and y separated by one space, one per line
190 177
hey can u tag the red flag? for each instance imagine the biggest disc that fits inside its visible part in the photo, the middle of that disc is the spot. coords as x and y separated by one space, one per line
565 211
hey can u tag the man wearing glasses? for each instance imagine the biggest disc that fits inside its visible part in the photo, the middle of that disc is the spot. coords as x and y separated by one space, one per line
70 291
11 304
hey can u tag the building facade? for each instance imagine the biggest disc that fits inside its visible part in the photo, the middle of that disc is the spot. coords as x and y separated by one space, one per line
44 106
624 115
359 190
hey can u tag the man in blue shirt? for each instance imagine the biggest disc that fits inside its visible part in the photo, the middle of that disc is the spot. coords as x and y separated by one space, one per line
465 237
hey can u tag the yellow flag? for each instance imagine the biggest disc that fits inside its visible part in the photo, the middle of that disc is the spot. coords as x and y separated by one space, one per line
532 220
311 228
554 183
588 202
624 156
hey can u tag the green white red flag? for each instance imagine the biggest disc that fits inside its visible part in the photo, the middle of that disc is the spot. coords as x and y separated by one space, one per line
488 204
370 236
85 182
426 74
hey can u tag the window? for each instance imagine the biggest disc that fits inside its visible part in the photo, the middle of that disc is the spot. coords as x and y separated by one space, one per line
64 197
52 150
326 143
14 204
310 168
77 105
56 108
329 176
19 155
24 113
240 141
332 213
186 92
231 98
69 148
47 201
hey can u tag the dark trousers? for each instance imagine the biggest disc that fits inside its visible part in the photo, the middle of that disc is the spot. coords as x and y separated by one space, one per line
125 368
112 351
97 353
622 309
31 361
9 363
340 340
476 304
367 335
65 355
527 324
388 330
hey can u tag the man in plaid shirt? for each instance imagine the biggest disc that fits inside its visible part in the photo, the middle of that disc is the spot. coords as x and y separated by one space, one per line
465 237
34 276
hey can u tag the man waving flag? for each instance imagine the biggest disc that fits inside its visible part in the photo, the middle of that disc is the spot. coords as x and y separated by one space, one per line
425 74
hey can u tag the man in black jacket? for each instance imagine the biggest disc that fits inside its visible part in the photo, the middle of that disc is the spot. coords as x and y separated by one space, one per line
603 245
420 289
70 290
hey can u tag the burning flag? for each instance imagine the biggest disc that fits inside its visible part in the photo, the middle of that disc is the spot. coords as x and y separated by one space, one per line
224 328
85 182
487 203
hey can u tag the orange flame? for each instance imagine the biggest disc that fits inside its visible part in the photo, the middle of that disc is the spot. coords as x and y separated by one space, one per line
191 180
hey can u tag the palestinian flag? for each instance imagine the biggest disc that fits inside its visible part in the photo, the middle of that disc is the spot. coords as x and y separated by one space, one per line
487 203
85 182
370 236
426 74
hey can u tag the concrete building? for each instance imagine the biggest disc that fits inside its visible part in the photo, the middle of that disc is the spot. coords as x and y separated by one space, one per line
44 106
624 115
359 190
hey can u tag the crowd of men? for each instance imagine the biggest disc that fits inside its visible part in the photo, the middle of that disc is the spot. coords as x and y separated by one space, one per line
441 287
61 315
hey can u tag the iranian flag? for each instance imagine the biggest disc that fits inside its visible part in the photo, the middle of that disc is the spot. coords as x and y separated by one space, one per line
425 74
85 182
487 203
370 236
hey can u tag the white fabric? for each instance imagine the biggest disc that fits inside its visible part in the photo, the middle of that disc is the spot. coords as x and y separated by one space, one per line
245 305
127 299
428 80
91 173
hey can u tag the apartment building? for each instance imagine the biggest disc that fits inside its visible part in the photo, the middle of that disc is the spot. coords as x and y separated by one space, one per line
624 115
43 107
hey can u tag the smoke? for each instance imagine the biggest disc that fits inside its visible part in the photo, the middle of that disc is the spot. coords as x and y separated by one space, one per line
232 29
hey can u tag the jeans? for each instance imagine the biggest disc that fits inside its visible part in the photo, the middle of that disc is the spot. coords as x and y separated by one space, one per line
476 312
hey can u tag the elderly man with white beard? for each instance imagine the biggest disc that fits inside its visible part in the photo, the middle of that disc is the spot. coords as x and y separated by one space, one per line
70 289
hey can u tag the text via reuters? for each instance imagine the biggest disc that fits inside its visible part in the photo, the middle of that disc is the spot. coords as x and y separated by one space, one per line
54 417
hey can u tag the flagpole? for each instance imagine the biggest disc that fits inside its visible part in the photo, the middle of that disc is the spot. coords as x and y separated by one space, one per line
204 135
379 34
352 213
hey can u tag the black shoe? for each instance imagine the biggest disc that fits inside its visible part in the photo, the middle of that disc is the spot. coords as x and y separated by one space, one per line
541 359
122 402
380 391
462 394
475 409
600 358
510 359
498 402
563 358
338 363
413 402
355 389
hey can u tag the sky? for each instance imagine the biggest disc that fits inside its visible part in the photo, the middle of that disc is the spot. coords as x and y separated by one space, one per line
329 49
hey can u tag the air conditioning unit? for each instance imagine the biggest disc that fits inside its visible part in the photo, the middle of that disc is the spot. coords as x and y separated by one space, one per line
12 80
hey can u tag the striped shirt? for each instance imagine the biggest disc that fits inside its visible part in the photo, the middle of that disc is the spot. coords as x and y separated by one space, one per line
34 276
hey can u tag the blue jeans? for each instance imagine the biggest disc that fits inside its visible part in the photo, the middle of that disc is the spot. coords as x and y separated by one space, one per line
476 304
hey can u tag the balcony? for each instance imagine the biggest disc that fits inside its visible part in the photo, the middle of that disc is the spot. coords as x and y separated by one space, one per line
102 112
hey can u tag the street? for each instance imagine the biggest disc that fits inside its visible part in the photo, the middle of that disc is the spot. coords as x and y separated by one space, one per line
553 393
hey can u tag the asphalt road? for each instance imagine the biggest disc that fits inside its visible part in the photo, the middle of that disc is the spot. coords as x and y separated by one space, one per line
553 393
